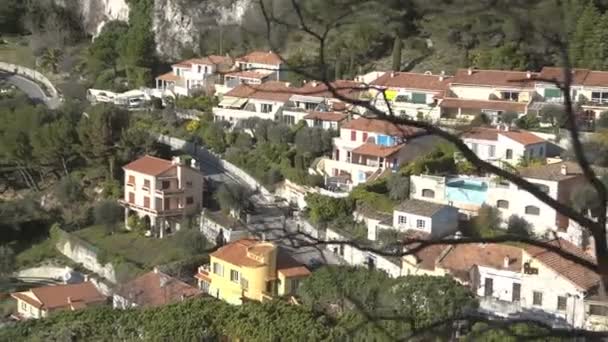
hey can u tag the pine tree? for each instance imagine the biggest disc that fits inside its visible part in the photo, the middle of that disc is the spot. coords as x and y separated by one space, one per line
582 49
600 58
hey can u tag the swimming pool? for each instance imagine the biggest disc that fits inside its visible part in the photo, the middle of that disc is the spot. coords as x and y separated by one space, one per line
469 191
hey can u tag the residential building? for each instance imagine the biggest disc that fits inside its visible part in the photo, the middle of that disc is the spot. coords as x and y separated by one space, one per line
432 218
39 302
505 144
194 74
367 147
374 220
528 282
265 62
219 227
264 101
325 120
474 84
558 180
250 269
316 96
153 289
455 108
161 192
467 194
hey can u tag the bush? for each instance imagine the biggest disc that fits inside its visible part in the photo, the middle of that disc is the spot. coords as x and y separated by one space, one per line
191 240
602 121
325 209
108 213
517 225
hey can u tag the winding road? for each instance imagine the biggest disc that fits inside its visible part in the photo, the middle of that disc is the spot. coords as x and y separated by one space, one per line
30 88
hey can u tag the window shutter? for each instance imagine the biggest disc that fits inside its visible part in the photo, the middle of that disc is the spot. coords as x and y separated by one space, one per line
551 93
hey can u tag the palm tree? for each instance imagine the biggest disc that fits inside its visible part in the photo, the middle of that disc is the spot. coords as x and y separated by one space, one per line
51 58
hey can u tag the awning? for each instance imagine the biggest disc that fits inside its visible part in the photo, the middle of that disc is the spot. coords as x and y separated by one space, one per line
232 102
303 98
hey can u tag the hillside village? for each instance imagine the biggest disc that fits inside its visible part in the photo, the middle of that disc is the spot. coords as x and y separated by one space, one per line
230 200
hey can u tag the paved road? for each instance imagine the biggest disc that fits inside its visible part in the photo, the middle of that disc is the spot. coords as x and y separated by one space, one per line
30 88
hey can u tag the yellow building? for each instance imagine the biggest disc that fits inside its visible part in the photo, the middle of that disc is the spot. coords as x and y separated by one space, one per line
250 269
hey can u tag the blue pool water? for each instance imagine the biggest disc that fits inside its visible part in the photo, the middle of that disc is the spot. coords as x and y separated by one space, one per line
469 191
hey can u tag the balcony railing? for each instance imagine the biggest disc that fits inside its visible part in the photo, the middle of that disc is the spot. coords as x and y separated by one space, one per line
168 212
170 191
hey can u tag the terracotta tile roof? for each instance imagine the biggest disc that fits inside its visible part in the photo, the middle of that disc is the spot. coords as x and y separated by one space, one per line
461 258
498 78
576 273
418 207
271 91
507 106
326 116
208 60
371 149
149 165
427 256
523 137
22 296
155 289
346 88
261 57
552 172
410 80
236 253
557 74
596 79
481 133
55 297
381 126
258 75
170 76
289 267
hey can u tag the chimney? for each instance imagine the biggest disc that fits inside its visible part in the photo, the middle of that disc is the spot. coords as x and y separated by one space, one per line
506 261
528 74
86 278
156 269
263 236
470 71
441 78
182 297
314 83
392 74
193 163
304 81
564 170
69 300
176 161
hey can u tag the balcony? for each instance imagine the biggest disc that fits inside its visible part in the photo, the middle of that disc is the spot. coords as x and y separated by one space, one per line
168 212
170 191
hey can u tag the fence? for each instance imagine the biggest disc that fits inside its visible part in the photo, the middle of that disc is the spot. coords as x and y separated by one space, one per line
207 157
34 75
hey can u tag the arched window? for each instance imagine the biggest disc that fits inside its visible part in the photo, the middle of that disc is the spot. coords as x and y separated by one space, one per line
502 204
532 210
428 193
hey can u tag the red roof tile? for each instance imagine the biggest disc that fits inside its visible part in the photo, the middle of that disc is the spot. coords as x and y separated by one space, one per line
326 116
510 106
236 253
499 78
155 289
461 258
271 91
149 165
520 136
557 74
573 271
481 133
371 149
56 296
346 88
410 80
248 74
170 76
261 57
208 60
381 126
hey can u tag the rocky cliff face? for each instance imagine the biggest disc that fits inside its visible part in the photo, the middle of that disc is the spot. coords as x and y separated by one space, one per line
181 24
178 24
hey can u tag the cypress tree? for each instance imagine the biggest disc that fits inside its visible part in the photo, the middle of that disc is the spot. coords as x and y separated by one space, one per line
397 53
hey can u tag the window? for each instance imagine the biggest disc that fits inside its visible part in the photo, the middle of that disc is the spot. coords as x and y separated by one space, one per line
402 219
537 298
561 303
146 184
502 204
353 135
420 223
165 185
188 184
516 294
244 283
509 95
310 106
599 97
492 151
598 310
234 276
509 154
428 193
146 201
541 151
364 136
218 269
419 98
131 180
189 200
131 197
200 69
488 287
295 284
266 108
23 306
542 187
532 210
552 93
